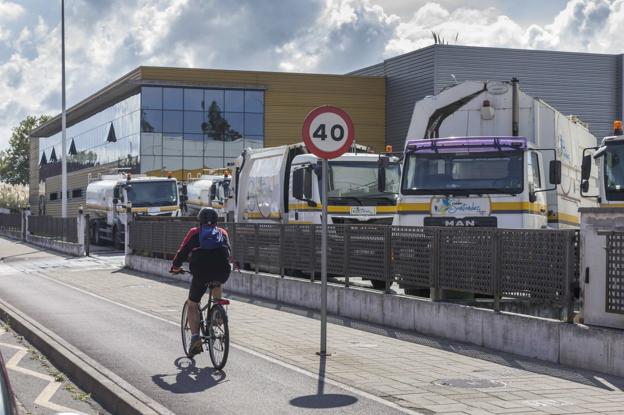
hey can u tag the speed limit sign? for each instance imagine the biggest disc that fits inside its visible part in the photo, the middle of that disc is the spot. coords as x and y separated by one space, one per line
328 132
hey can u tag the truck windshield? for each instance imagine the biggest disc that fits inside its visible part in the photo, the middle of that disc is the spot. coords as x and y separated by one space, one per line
614 171
162 193
357 181
456 173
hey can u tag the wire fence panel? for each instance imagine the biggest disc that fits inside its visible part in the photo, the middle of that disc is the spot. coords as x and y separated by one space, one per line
615 273
62 229
412 254
368 252
466 260
11 222
268 244
297 247
534 264
530 265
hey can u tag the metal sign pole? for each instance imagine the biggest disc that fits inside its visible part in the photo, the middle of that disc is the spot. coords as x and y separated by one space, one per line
324 262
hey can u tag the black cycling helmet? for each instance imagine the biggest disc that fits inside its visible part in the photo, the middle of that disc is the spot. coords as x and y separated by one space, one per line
207 216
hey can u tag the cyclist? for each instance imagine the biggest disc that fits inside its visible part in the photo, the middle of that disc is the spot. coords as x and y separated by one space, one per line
208 249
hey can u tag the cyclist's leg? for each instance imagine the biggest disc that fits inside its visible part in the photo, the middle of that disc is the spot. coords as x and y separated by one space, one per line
196 291
217 292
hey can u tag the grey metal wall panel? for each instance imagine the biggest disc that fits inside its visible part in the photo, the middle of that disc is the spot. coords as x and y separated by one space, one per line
373 70
583 84
409 77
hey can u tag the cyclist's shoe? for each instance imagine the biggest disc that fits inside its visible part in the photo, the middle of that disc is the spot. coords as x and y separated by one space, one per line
196 346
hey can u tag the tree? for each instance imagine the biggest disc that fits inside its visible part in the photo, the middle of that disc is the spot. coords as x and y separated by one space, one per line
14 162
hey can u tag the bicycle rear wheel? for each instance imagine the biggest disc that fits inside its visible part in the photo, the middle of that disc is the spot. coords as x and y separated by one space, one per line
218 336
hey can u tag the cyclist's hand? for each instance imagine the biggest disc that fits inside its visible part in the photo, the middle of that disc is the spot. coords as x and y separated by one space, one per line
236 266
175 270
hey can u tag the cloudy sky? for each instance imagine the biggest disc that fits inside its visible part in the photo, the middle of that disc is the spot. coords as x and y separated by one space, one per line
107 38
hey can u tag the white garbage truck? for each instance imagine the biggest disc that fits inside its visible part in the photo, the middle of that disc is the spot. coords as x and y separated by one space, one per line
602 228
110 198
487 154
208 190
282 185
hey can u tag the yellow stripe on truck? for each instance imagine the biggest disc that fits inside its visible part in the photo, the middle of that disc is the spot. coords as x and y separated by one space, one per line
518 207
339 209
418 208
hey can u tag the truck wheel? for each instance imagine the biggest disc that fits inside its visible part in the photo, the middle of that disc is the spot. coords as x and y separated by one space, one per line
116 240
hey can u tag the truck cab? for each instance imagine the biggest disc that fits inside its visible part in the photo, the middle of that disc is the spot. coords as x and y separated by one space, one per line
110 198
208 191
609 160
476 182
363 188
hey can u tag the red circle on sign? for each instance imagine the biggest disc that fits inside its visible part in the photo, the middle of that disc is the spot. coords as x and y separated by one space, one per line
305 132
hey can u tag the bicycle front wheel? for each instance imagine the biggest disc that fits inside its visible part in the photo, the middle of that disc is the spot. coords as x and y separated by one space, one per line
218 336
185 330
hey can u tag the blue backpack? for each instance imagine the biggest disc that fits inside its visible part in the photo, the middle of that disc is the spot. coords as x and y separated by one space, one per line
211 237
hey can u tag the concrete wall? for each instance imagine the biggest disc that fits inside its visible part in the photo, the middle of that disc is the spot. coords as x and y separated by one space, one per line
550 340
59 246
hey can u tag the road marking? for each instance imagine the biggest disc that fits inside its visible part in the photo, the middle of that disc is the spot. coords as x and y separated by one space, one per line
44 397
244 349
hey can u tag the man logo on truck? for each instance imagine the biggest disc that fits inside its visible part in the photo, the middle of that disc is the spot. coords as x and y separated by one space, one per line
460 223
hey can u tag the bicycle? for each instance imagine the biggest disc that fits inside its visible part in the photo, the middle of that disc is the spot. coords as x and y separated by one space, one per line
213 325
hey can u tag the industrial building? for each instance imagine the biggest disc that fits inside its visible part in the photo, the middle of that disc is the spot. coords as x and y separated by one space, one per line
155 120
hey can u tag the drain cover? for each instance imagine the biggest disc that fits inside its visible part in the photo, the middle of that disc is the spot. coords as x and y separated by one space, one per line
470 383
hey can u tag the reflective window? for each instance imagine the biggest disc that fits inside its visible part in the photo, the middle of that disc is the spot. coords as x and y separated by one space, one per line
254 124
193 122
174 165
234 148
172 144
173 121
213 148
151 165
193 166
213 97
151 98
254 101
234 100
193 144
213 162
151 121
236 126
194 99
151 144
173 99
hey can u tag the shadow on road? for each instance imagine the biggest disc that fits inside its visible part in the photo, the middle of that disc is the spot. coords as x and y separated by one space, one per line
321 400
189 378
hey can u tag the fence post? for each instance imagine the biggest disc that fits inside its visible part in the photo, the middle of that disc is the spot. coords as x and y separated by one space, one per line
568 309
281 248
87 236
127 250
496 268
312 252
347 244
435 293
388 257
256 247
80 230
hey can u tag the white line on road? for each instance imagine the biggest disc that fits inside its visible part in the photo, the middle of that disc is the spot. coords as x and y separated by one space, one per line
247 350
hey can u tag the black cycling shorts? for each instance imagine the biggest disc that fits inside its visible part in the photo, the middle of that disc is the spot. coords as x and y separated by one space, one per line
207 266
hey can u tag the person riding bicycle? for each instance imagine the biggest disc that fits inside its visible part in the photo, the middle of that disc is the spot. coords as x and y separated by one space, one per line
208 249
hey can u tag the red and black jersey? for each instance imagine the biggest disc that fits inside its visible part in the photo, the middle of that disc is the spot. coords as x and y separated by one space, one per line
191 244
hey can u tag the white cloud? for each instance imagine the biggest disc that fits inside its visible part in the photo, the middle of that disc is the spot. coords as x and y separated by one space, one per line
10 10
107 39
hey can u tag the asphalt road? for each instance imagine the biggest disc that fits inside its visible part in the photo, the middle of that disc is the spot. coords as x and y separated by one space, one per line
146 352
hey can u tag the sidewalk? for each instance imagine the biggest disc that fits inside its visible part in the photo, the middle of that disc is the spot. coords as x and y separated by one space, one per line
425 374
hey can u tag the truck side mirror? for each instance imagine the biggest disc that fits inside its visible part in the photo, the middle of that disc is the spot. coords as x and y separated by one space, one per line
586 167
213 191
382 165
555 172
115 201
584 186
184 190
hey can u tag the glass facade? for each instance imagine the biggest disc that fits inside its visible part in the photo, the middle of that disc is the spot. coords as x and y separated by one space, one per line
159 129
111 135
184 130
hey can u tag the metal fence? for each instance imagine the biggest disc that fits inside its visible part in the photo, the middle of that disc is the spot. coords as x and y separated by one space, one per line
615 273
62 229
11 222
537 266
